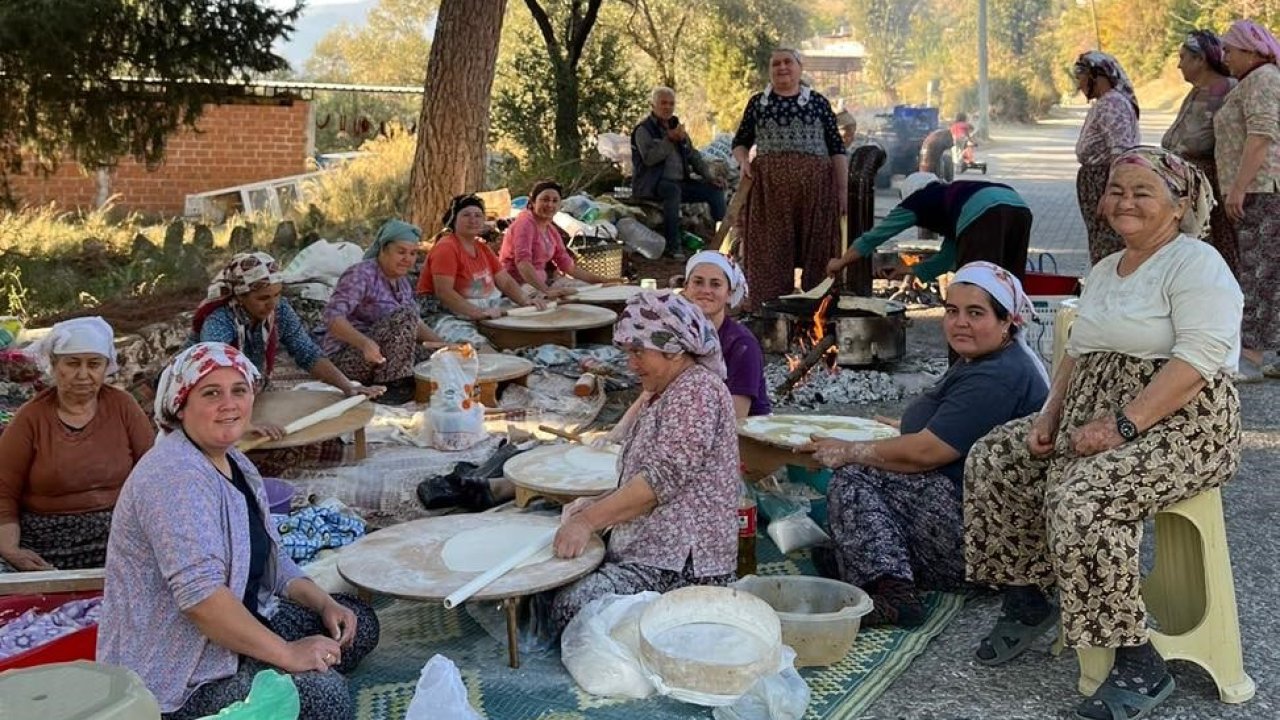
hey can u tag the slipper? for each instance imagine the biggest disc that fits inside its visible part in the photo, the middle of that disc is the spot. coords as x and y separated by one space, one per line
1010 638
1118 702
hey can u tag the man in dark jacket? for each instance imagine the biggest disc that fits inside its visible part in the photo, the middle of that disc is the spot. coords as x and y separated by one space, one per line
661 158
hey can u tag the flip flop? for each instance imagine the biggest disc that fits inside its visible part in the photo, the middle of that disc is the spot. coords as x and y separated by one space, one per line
1117 701
1010 638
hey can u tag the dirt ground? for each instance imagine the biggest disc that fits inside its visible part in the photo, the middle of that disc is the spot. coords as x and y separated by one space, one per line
130 314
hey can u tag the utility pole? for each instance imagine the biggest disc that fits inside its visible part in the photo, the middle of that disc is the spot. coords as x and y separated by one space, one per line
984 81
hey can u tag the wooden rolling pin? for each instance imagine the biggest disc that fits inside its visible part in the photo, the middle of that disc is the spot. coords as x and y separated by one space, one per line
325 413
571 437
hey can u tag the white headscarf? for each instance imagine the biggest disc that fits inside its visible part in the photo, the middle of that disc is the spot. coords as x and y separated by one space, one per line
915 182
76 336
1005 289
737 280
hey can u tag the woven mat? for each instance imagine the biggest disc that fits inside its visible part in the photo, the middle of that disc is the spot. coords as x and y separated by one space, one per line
542 688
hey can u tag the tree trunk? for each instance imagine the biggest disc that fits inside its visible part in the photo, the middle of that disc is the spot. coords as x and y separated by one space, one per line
453 127
568 135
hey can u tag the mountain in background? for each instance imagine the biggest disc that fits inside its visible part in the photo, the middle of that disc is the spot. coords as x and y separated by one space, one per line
316 20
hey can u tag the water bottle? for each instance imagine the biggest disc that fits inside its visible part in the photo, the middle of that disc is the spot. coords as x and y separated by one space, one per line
692 243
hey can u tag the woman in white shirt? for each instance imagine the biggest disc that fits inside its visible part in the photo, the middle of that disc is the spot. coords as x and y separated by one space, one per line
1142 414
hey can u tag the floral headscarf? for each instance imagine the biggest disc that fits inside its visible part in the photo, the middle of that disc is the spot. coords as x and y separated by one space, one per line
737 280
1183 179
1207 45
669 323
1096 63
245 273
70 337
1249 35
187 369
1007 290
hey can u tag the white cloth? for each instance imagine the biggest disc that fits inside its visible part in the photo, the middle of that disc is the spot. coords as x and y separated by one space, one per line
76 336
737 279
1005 288
1181 303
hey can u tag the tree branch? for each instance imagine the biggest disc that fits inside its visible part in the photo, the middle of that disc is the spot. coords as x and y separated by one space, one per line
548 32
581 30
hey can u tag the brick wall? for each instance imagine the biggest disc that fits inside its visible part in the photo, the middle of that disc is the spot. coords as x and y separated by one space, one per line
235 144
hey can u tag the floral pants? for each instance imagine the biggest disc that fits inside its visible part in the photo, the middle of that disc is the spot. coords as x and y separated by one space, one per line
397 337
68 542
1076 522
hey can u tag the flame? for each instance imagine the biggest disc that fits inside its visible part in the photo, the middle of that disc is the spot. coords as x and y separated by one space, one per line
820 318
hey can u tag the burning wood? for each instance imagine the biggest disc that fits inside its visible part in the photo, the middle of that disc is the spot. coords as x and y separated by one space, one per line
797 373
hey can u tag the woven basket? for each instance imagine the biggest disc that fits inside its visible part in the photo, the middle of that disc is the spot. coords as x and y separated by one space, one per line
598 255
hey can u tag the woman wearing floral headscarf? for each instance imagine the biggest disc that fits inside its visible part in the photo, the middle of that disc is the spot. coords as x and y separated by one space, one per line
1110 128
199 594
1191 134
1247 129
67 452
674 516
1142 414
895 504
244 308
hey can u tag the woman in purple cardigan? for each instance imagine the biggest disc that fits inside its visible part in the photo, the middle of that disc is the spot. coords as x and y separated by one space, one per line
199 594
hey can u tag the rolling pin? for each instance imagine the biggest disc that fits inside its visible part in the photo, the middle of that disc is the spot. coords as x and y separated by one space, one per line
325 413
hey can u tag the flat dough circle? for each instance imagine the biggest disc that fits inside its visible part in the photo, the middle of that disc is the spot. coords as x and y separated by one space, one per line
593 462
481 548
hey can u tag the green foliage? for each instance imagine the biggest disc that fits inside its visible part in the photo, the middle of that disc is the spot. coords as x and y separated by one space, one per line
739 38
61 64
885 28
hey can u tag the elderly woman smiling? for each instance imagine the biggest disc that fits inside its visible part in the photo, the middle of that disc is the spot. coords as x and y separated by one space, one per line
374 335
67 452
674 517
199 594
1141 414
463 281
896 510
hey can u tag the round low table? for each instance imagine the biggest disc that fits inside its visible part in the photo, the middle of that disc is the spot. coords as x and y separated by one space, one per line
561 473
767 442
283 407
495 368
567 325
405 561
613 297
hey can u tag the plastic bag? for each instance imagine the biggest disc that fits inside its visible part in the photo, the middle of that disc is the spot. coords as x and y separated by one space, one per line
641 239
440 694
272 696
457 417
783 696
600 647
790 526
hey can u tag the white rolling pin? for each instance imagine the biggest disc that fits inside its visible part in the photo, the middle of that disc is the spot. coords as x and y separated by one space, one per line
325 413
487 577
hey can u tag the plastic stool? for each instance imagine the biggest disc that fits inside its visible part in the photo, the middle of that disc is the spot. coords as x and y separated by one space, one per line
1192 596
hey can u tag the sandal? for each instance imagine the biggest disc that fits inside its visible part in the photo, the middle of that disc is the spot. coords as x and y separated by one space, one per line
1010 638
1117 701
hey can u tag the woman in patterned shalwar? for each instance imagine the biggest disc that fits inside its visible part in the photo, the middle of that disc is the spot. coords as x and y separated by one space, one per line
674 516
895 504
1110 128
1142 414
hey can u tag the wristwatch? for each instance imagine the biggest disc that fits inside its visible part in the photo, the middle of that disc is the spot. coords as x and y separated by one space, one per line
1126 427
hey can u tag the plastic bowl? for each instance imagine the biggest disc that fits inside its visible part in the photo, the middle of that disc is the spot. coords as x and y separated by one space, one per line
820 617
279 495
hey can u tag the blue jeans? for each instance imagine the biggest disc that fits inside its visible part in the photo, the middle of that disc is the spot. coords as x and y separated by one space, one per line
674 193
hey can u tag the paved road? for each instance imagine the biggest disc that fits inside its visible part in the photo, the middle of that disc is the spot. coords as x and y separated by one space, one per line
945 683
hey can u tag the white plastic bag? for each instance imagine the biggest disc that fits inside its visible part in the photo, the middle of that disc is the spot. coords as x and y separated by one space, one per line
440 694
782 696
601 645
319 265
795 532
455 412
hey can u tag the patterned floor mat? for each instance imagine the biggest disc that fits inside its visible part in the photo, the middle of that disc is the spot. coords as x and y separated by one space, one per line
542 689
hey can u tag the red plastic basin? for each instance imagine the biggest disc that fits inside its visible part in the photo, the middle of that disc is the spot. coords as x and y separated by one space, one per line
79 645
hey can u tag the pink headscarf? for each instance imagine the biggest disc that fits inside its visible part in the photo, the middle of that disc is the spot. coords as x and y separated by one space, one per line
669 323
187 369
1248 35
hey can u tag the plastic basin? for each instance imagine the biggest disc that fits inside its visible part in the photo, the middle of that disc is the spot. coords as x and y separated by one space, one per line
820 617
279 495
78 645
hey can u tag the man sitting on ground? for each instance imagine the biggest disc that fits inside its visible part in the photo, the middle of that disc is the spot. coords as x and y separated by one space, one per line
662 157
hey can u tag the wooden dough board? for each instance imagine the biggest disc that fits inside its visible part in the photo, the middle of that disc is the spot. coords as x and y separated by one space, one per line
771 429
404 561
608 295
550 472
565 317
494 368
283 407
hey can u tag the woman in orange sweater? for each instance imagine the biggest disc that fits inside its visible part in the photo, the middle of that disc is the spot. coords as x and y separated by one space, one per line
67 452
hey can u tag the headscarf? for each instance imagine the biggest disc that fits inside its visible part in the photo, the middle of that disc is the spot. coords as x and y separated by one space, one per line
187 369
916 182
1249 35
1207 45
1183 179
543 185
71 337
245 273
1096 62
669 323
393 231
1006 290
457 205
737 280
805 90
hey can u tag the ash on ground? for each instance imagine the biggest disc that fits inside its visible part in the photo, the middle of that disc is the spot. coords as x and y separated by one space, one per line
835 386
